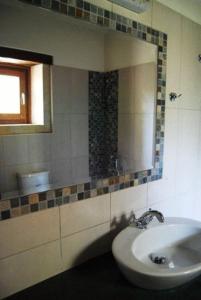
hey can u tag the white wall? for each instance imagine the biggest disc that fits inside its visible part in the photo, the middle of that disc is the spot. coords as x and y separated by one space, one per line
50 33
122 51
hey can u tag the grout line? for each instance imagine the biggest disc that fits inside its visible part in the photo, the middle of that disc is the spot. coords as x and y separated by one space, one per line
152 12
49 242
91 227
29 249
60 239
147 208
178 110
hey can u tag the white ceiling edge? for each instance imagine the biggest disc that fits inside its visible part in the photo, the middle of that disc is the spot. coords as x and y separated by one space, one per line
188 8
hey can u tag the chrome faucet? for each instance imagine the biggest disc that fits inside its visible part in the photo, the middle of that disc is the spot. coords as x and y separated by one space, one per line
146 218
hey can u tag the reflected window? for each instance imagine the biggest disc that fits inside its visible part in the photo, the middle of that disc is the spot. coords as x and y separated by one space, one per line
14 96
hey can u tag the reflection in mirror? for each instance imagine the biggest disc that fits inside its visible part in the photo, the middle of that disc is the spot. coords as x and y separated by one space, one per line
104 115
122 107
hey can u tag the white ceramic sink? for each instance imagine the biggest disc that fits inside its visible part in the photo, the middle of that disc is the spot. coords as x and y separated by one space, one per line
177 239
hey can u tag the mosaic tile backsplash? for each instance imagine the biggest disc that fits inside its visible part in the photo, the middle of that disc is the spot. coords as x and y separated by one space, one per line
85 11
103 123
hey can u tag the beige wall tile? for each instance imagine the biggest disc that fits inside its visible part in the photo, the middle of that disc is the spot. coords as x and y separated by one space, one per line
26 232
190 66
125 201
160 191
119 223
84 245
168 21
137 89
170 147
28 268
169 208
84 214
190 9
187 150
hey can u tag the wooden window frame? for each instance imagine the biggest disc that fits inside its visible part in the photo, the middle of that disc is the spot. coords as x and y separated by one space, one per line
23 72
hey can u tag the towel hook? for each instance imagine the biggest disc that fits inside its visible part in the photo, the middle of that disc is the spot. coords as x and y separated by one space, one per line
173 96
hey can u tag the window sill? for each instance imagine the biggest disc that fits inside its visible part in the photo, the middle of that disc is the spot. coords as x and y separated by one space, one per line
12 129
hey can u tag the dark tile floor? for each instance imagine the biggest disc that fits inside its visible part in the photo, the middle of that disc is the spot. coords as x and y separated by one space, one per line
100 279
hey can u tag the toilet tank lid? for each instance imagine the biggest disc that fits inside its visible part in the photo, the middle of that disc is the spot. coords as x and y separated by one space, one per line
45 173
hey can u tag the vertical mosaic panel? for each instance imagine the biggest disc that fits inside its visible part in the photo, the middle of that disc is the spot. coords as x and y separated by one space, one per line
103 122
96 124
111 114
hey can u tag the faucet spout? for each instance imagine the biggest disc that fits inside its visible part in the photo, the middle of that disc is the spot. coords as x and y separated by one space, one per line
146 218
154 213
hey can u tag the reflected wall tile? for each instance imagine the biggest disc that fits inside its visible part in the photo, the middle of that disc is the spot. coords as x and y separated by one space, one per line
11 175
79 97
1 152
125 134
62 89
142 149
144 88
61 129
3 179
79 134
15 149
62 172
80 169
39 148
125 96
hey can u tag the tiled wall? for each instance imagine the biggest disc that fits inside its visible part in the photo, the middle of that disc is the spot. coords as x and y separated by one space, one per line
137 90
177 193
117 23
54 240
64 153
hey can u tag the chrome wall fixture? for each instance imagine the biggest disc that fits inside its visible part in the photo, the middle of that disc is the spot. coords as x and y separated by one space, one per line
173 96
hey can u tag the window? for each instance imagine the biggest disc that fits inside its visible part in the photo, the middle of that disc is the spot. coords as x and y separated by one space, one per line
25 92
14 94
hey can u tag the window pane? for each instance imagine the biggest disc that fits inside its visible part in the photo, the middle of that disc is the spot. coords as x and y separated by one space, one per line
9 94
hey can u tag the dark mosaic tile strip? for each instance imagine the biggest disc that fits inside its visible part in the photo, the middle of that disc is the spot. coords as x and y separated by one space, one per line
103 123
94 14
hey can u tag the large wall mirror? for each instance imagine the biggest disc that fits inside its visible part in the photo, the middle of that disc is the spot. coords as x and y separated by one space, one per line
106 121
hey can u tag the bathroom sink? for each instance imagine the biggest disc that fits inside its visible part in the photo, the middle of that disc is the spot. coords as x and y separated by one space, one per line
163 256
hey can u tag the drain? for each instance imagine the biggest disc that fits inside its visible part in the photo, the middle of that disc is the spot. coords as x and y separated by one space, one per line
158 259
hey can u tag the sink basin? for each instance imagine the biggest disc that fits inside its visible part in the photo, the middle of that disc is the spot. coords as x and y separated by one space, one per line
177 241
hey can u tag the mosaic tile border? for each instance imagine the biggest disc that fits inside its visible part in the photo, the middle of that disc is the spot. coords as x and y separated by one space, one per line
85 11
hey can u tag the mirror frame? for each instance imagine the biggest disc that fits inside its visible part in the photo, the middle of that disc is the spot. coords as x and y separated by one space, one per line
93 14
